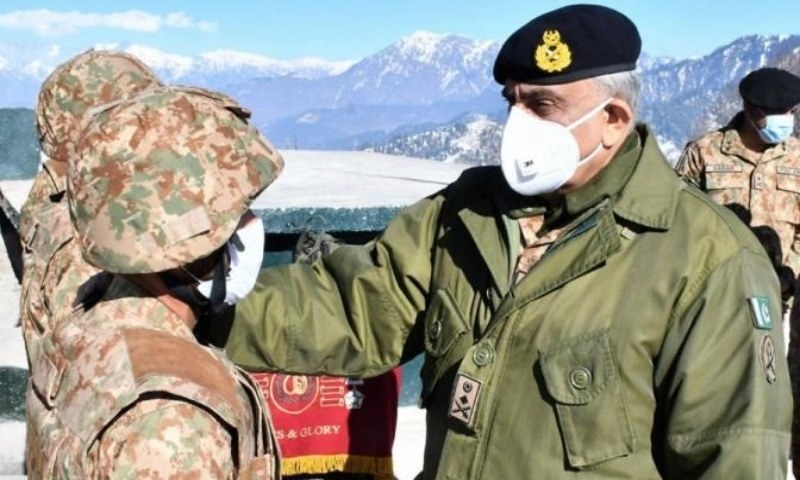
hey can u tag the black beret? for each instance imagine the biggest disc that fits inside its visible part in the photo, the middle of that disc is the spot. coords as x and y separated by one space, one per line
569 44
771 88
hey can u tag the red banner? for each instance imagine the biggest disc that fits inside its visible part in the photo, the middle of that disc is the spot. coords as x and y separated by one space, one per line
333 424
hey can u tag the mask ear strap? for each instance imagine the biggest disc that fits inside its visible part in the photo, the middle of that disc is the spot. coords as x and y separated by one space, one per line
216 299
589 114
237 242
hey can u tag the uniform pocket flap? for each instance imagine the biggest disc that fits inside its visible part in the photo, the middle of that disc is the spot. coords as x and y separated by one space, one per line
444 324
724 175
788 179
578 370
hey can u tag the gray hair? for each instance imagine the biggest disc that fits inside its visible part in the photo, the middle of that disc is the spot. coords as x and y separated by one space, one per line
623 85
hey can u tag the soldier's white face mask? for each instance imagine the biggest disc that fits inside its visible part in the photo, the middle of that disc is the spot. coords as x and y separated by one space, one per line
245 262
539 156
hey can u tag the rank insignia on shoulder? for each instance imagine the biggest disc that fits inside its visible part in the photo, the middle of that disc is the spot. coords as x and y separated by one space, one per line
759 311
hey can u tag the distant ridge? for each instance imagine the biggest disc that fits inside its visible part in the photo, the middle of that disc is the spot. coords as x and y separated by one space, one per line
426 94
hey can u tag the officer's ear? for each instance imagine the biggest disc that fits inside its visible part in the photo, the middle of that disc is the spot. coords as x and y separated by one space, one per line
619 117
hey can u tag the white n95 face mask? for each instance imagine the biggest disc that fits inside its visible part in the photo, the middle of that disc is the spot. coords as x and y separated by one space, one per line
539 156
245 263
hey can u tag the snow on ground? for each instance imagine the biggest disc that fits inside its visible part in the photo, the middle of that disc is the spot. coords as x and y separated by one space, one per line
409 442
354 179
12 445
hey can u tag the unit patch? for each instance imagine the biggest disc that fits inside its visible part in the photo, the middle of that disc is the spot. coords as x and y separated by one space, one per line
759 311
767 356
465 399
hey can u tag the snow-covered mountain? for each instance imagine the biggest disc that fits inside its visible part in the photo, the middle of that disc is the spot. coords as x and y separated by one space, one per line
687 98
471 139
422 95
23 68
221 68
681 99
421 70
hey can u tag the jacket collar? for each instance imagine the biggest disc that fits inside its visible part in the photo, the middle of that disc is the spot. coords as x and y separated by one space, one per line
639 182
649 197
642 188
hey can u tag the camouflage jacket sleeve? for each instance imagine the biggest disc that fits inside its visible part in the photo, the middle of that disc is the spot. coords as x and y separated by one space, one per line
161 438
722 378
350 313
690 165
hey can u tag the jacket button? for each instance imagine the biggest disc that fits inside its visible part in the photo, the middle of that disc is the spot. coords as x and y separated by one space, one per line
580 378
435 330
483 355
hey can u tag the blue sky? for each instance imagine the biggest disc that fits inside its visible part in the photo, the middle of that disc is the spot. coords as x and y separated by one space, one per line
352 29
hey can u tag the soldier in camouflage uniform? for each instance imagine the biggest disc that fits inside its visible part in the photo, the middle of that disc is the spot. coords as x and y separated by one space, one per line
752 165
747 168
53 267
158 197
52 264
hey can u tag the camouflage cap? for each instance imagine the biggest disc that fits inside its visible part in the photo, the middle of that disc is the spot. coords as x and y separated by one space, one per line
69 93
224 100
163 179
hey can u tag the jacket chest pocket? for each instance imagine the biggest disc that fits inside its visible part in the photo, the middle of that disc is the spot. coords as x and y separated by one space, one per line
584 385
726 183
787 197
446 340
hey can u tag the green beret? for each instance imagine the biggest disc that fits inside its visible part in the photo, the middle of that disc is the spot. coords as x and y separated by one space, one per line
569 44
771 88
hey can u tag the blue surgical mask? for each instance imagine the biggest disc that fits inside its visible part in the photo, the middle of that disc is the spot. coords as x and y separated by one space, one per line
778 128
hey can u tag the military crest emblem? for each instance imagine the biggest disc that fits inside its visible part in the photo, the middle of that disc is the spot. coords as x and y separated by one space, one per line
552 55
294 394
767 357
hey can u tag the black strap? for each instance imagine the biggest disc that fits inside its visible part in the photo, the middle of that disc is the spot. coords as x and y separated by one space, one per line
9 225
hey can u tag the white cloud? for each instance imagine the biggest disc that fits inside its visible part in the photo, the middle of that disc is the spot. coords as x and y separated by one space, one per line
45 22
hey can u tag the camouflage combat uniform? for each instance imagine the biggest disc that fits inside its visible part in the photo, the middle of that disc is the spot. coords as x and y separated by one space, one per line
52 265
125 390
767 185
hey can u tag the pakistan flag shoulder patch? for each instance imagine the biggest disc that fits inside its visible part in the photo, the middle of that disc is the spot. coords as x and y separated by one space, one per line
759 312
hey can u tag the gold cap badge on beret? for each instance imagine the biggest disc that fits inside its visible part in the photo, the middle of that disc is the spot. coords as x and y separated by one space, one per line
552 55
569 44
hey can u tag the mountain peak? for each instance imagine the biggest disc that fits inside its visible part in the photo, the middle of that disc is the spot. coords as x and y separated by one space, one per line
421 45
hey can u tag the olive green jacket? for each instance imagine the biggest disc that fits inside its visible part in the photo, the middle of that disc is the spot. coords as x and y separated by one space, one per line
646 343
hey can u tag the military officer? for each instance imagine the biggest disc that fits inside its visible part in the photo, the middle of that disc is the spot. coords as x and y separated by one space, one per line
640 342
159 197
